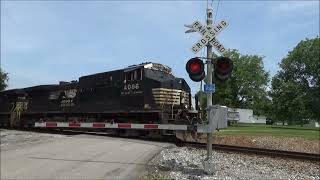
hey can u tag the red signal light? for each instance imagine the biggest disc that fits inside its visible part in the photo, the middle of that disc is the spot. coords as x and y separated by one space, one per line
195 69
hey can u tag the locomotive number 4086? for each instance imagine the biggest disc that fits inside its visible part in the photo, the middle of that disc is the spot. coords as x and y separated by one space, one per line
131 86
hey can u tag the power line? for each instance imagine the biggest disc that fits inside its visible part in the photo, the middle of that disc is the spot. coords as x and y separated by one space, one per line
205 18
216 11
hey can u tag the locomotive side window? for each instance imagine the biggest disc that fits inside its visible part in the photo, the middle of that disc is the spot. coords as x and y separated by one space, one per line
133 75
139 72
129 76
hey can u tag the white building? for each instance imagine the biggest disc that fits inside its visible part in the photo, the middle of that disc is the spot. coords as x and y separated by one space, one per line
259 119
245 116
312 124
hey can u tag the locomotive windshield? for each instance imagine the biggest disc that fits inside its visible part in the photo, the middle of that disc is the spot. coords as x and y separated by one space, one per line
149 70
158 75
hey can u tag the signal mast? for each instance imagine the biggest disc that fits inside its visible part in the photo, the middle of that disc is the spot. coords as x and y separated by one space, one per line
220 68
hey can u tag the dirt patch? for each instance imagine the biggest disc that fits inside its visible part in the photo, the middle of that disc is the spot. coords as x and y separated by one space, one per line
270 142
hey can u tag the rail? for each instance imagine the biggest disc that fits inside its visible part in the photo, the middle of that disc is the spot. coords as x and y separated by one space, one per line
261 151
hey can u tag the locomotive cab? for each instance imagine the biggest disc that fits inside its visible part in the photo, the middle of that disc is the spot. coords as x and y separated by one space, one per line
153 87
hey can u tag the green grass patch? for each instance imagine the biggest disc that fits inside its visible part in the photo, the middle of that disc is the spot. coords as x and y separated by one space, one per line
272 130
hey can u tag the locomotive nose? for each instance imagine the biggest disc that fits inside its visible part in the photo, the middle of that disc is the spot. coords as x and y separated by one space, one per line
173 92
183 84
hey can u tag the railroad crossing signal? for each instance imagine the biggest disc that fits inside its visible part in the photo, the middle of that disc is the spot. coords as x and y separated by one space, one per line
222 68
195 69
216 44
208 35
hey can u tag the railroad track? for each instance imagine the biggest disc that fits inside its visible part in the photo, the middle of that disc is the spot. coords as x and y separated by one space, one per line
229 148
220 147
260 151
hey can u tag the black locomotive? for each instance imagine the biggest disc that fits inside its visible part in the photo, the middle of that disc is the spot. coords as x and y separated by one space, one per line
144 93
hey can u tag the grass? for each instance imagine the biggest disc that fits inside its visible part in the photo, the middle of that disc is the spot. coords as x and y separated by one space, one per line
272 130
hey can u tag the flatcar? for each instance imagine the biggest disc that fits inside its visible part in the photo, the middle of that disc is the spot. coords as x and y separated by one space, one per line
146 94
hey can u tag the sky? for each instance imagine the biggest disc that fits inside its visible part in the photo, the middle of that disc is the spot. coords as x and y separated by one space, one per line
44 42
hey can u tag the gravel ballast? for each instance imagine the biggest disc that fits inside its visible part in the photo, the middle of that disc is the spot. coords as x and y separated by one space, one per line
297 144
186 163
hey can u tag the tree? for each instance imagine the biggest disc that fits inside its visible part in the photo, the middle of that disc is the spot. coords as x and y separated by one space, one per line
247 85
296 88
3 80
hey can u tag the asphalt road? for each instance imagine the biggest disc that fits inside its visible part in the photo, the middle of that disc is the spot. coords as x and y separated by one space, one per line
79 157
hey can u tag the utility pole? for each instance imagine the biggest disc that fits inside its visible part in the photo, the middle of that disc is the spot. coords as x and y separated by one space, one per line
209 82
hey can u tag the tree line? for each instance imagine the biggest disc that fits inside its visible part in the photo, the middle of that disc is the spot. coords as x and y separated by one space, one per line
3 79
291 95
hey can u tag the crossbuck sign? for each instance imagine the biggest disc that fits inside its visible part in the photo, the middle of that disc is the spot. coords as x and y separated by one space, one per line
208 35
